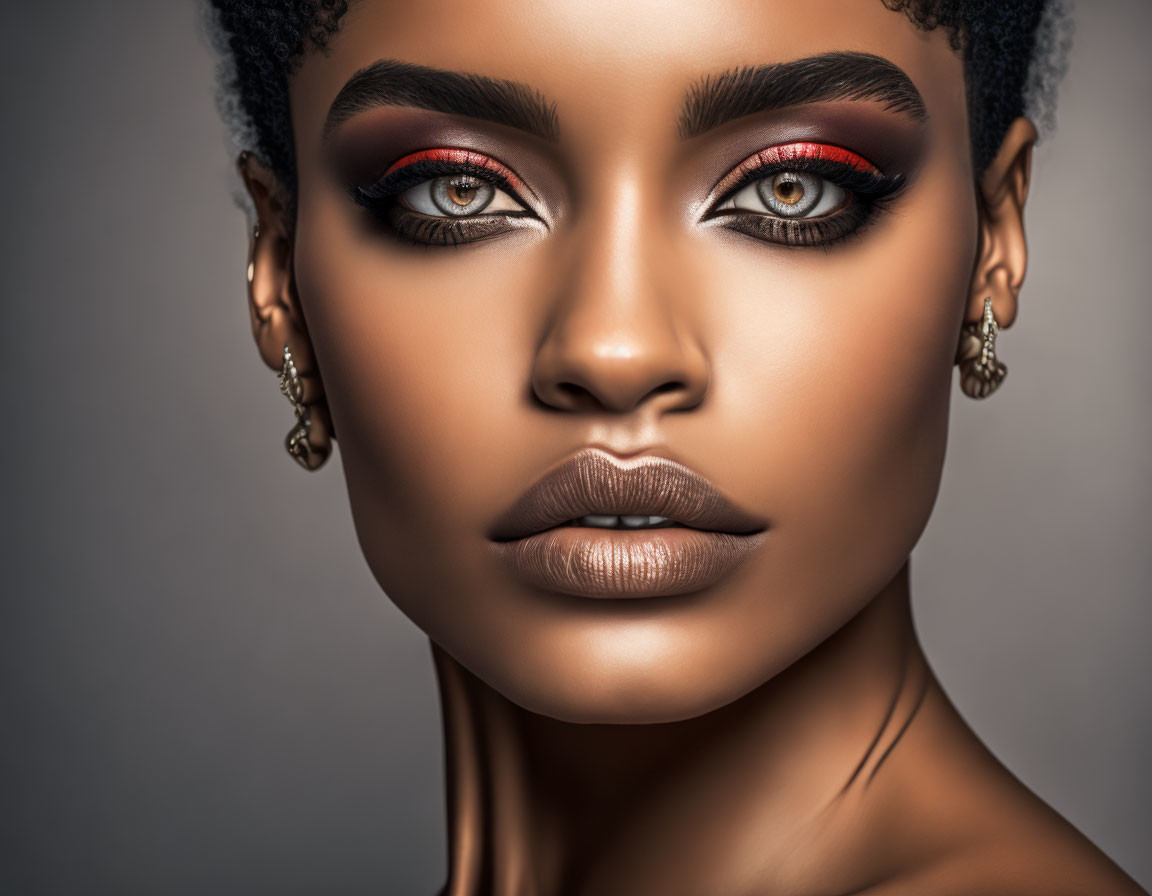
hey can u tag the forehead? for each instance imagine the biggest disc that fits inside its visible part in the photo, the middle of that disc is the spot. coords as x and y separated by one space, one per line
617 66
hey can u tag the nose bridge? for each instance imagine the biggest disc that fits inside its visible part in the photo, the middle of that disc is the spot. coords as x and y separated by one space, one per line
617 336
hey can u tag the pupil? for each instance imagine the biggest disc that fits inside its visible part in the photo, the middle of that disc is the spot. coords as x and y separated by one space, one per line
463 192
789 191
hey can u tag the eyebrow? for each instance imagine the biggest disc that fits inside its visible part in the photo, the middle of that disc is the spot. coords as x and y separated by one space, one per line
390 82
734 93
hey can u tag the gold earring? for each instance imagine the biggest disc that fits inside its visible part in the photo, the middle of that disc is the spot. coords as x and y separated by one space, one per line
292 387
981 372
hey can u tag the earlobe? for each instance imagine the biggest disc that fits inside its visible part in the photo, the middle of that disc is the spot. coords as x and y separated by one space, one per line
1002 257
278 325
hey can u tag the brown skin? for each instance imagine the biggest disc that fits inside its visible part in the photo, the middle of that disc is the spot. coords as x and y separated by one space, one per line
803 745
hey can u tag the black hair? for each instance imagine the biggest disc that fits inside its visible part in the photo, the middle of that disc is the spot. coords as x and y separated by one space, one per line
261 43
1014 55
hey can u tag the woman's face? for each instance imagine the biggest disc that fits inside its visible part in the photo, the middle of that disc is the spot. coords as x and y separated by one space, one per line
655 246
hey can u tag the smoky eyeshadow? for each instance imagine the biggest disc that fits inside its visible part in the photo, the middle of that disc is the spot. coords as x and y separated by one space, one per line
359 151
893 143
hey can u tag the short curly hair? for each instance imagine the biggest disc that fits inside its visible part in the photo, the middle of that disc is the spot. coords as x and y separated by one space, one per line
1015 53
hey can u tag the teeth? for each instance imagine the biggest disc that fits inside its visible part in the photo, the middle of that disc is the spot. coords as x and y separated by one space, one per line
623 521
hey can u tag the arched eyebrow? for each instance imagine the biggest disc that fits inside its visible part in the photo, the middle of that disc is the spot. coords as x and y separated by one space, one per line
391 82
734 93
711 102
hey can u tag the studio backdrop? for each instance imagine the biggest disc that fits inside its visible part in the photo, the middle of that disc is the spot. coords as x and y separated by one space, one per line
202 690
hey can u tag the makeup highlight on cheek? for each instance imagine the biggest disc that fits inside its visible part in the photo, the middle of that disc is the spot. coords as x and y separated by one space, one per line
458 157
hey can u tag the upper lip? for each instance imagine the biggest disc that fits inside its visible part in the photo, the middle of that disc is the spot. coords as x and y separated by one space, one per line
595 481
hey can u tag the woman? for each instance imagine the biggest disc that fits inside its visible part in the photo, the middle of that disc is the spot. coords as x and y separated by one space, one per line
636 326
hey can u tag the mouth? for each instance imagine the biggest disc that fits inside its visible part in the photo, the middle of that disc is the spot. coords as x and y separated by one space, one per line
623 521
598 526
595 489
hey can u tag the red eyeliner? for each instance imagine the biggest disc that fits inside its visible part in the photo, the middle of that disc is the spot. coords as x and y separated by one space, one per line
459 157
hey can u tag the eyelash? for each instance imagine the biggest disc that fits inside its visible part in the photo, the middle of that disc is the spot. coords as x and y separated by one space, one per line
869 193
417 228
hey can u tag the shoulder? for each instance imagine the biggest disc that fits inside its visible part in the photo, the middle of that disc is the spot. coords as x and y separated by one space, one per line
983 831
1025 867
1017 846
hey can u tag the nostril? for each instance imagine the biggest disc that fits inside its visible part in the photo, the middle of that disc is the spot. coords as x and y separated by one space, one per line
588 382
572 396
577 397
668 387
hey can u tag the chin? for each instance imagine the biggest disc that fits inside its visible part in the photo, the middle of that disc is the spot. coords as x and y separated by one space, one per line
616 678
630 700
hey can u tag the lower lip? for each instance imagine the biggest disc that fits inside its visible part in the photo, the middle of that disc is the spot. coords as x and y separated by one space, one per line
590 562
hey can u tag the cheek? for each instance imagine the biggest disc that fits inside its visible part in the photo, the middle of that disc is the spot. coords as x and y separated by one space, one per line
419 356
845 359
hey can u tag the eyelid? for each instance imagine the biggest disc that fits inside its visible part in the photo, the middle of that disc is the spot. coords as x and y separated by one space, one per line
780 156
462 157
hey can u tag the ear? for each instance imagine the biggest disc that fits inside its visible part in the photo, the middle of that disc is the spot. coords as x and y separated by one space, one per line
273 305
1002 256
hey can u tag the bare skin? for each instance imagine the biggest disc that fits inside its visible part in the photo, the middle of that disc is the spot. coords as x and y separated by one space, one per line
777 731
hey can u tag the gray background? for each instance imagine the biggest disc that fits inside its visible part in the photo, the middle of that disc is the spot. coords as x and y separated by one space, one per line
201 688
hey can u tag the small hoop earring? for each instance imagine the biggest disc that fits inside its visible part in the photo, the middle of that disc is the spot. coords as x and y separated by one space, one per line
981 372
296 442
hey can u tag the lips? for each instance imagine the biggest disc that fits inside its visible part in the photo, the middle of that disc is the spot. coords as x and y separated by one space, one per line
595 482
713 536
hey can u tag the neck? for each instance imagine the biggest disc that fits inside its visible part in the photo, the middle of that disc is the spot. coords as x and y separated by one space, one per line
774 788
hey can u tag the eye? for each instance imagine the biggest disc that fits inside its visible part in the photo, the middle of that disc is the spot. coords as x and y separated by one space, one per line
446 197
803 194
789 194
457 196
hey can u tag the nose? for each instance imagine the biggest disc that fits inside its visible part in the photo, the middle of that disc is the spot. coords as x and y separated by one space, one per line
619 336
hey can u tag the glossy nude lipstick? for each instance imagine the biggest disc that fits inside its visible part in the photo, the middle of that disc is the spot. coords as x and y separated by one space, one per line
598 526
